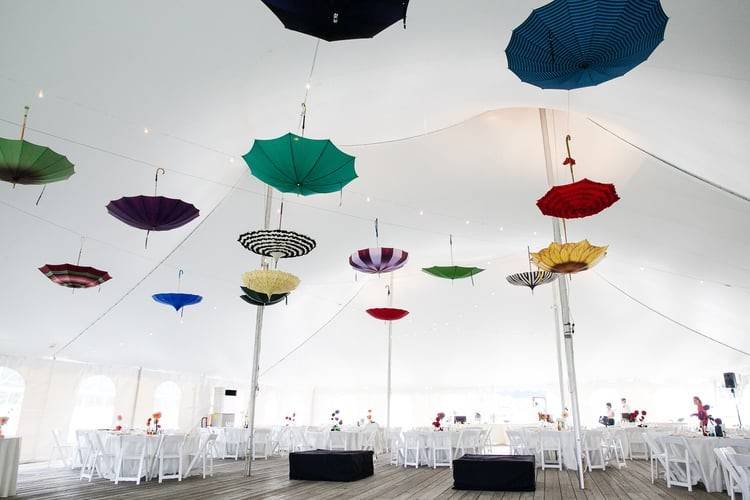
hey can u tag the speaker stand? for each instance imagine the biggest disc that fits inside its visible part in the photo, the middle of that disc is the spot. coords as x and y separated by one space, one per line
739 419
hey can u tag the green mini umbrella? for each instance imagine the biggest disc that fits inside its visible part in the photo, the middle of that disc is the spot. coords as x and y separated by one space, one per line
296 164
453 272
22 162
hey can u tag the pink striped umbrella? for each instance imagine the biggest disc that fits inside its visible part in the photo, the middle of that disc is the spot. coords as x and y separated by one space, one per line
378 260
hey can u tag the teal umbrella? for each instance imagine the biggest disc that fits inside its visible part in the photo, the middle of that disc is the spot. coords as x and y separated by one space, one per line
295 164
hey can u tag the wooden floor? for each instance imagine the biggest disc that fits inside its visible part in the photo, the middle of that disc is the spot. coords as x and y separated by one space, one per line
271 480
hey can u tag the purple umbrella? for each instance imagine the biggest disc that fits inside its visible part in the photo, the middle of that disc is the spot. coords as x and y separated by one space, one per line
378 260
152 213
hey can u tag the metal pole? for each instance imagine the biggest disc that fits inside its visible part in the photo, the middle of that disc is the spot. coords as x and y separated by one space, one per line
560 377
256 349
135 398
390 340
562 283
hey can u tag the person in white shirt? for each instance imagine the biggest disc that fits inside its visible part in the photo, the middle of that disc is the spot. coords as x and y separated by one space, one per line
624 411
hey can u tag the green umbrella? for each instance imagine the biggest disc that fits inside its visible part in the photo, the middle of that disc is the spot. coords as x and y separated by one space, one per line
453 272
22 162
295 164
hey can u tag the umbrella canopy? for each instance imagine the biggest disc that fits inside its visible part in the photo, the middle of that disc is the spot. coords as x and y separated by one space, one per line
22 162
387 313
270 282
152 213
294 164
568 258
177 300
378 260
569 44
277 243
73 276
578 199
334 20
452 272
260 299
531 279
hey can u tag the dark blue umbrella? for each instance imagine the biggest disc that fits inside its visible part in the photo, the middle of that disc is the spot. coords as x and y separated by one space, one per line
334 20
569 44
177 299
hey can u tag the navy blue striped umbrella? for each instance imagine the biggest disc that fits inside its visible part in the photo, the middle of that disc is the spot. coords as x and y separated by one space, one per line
569 44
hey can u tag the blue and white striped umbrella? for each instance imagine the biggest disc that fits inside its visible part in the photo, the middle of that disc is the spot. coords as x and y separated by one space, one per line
569 44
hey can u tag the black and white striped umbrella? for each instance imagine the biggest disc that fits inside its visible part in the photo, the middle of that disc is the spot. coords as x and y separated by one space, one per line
531 279
277 243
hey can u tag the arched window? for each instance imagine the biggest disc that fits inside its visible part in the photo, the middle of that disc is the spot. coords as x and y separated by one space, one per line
95 405
12 387
167 400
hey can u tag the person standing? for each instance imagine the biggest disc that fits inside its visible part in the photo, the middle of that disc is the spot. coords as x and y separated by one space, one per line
624 411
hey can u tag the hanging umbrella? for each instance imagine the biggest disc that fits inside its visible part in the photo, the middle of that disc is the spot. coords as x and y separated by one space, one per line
177 299
334 20
378 260
453 272
569 44
22 162
261 299
277 243
75 275
270 282
152 213
387 313
295 164
569 258
531 279
578 199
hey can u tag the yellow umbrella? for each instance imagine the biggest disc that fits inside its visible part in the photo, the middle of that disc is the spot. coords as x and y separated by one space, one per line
568 258
270 281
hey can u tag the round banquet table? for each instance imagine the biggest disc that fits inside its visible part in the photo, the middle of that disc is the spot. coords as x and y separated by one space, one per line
112 443
10 450
321 439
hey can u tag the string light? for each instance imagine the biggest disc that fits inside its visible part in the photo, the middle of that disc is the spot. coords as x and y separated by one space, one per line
231 159
40 94
367 199
145 130
468 222
501 228
421 212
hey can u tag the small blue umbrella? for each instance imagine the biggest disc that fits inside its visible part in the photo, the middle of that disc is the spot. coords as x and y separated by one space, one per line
177 299
570 44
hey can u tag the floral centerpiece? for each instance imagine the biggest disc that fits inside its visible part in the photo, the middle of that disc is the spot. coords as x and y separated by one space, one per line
336 421
118 425
155 417
290 420
438 422
3 421
639 417
544 417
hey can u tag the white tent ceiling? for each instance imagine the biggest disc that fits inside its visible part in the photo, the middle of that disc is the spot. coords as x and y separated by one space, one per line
439 125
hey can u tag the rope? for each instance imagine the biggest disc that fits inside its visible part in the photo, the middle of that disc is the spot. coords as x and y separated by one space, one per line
322 327
672 165
669 318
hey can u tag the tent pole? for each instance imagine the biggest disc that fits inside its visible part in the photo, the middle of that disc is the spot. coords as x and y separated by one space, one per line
562 283
256 349
390 339
135 398
560 376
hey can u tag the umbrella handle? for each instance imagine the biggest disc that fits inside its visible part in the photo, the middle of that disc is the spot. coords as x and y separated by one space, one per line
25 117
156 177
570 157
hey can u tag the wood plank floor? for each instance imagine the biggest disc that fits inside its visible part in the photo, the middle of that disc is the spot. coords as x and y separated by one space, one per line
271 480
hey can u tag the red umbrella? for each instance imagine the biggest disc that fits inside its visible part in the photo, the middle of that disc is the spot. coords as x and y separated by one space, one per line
578 199
387 313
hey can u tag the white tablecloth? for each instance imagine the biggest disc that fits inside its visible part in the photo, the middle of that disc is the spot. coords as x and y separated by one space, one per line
10 450
112 444
703 450
568 441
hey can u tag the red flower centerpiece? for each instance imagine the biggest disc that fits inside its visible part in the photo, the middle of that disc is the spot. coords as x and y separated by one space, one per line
438 423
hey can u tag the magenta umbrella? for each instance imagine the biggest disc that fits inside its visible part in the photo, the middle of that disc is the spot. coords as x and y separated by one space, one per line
152 213
378 260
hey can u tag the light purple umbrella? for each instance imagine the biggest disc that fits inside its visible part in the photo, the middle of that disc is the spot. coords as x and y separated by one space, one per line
378 260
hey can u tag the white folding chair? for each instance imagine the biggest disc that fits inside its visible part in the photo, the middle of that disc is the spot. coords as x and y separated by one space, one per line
232 443
516 442
412 449
297 440
396 446
682 467
613 443
593 449
441 451
485 439
741 463
337 440
97 460
59 449
550 445
656 454
732 479
261 441
132 451
170 449
197 450
369 441
81 451
637 447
